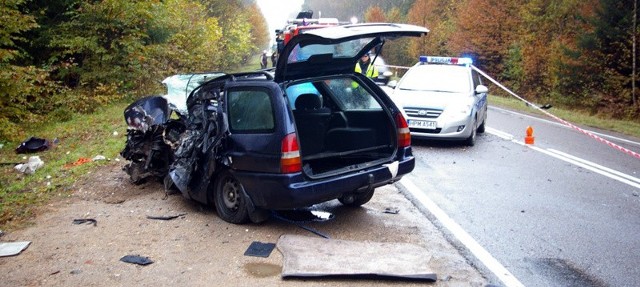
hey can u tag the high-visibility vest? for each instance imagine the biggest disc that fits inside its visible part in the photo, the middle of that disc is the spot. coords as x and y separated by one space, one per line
372 72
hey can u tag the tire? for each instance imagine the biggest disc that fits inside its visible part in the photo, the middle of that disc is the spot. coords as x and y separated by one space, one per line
229 199
471 140
356 199
481 128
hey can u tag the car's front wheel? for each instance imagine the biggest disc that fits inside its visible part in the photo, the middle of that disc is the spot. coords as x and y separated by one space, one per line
482 127
356 199
229 199
471 140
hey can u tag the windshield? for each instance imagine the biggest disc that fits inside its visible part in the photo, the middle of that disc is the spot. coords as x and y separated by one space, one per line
180 86
347 49
437 78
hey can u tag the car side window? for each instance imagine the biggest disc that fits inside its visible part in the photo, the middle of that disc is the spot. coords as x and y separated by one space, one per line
250 111
476 79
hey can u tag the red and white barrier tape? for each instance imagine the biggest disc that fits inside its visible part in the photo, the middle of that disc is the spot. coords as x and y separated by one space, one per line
613 145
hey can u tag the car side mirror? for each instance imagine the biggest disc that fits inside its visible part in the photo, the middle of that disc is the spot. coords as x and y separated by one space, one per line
482 89
392 84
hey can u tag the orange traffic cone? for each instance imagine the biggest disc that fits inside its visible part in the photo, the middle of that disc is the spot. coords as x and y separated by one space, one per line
529 138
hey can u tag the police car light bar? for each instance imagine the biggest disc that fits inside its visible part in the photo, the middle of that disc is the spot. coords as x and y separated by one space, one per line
445 60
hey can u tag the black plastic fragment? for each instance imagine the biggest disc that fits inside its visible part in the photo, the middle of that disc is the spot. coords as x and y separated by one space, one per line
259 249
391 210
136 259
168 217
86 220
33 144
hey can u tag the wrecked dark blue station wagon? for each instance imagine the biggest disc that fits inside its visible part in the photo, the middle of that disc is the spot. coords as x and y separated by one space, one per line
311 131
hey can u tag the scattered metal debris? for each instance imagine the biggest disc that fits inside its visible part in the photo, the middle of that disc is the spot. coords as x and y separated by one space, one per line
13 248
166 217
86 220
99 157
259 249
391 210
299 216
136 259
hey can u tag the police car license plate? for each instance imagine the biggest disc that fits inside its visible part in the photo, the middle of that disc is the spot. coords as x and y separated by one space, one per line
430 125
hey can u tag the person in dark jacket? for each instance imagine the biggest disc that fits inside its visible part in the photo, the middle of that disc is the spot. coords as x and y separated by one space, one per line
274 58
263 60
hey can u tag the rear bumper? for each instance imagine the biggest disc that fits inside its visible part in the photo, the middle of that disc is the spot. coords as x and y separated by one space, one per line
286 191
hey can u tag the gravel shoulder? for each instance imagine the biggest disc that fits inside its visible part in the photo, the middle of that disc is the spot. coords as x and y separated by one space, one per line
197 248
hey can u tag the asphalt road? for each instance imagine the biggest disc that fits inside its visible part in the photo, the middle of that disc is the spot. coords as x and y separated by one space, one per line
562 212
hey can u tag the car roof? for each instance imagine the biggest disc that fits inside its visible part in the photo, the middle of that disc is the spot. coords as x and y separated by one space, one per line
335 50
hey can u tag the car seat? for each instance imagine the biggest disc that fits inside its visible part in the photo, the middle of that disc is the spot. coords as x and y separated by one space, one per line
311 123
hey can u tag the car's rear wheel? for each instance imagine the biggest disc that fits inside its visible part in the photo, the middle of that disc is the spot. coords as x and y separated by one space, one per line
356 199
229 199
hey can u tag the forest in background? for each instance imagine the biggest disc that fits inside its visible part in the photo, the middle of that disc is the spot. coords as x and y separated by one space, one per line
577 54
62 57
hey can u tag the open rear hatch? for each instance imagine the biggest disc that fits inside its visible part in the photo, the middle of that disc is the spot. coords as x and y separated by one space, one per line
343 120
341 127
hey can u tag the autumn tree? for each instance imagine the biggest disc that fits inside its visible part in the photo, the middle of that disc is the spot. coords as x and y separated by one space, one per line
486 30
21 86
258 28
608 47
374 14
396 50
549 28
344 10
435 15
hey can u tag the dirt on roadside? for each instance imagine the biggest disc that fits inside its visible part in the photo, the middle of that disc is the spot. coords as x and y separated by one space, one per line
197 248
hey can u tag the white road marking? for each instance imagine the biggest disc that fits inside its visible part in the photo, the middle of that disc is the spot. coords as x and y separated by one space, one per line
602 170
471 244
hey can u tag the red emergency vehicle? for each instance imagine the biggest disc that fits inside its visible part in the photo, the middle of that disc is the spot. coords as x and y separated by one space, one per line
303 22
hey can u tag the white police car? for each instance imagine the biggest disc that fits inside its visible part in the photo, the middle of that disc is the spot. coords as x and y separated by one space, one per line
443 98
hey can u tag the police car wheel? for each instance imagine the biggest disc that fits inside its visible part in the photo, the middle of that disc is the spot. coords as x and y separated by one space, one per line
471 140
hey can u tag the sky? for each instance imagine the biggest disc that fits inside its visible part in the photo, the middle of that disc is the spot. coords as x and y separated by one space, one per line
277 12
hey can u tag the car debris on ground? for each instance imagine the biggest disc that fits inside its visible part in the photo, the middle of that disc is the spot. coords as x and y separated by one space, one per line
30 166
33 144
13 248
136 259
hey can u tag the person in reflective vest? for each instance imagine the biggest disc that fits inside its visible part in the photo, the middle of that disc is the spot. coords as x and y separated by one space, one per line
364 64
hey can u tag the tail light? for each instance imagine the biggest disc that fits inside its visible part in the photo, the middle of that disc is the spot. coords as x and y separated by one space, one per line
404 137
290 161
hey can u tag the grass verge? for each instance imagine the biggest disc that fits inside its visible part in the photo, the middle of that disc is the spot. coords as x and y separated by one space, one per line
83 137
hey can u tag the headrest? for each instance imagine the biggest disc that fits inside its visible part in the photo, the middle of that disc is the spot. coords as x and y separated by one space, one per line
308 102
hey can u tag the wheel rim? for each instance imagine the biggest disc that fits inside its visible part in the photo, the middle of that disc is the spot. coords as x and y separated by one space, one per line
231 194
